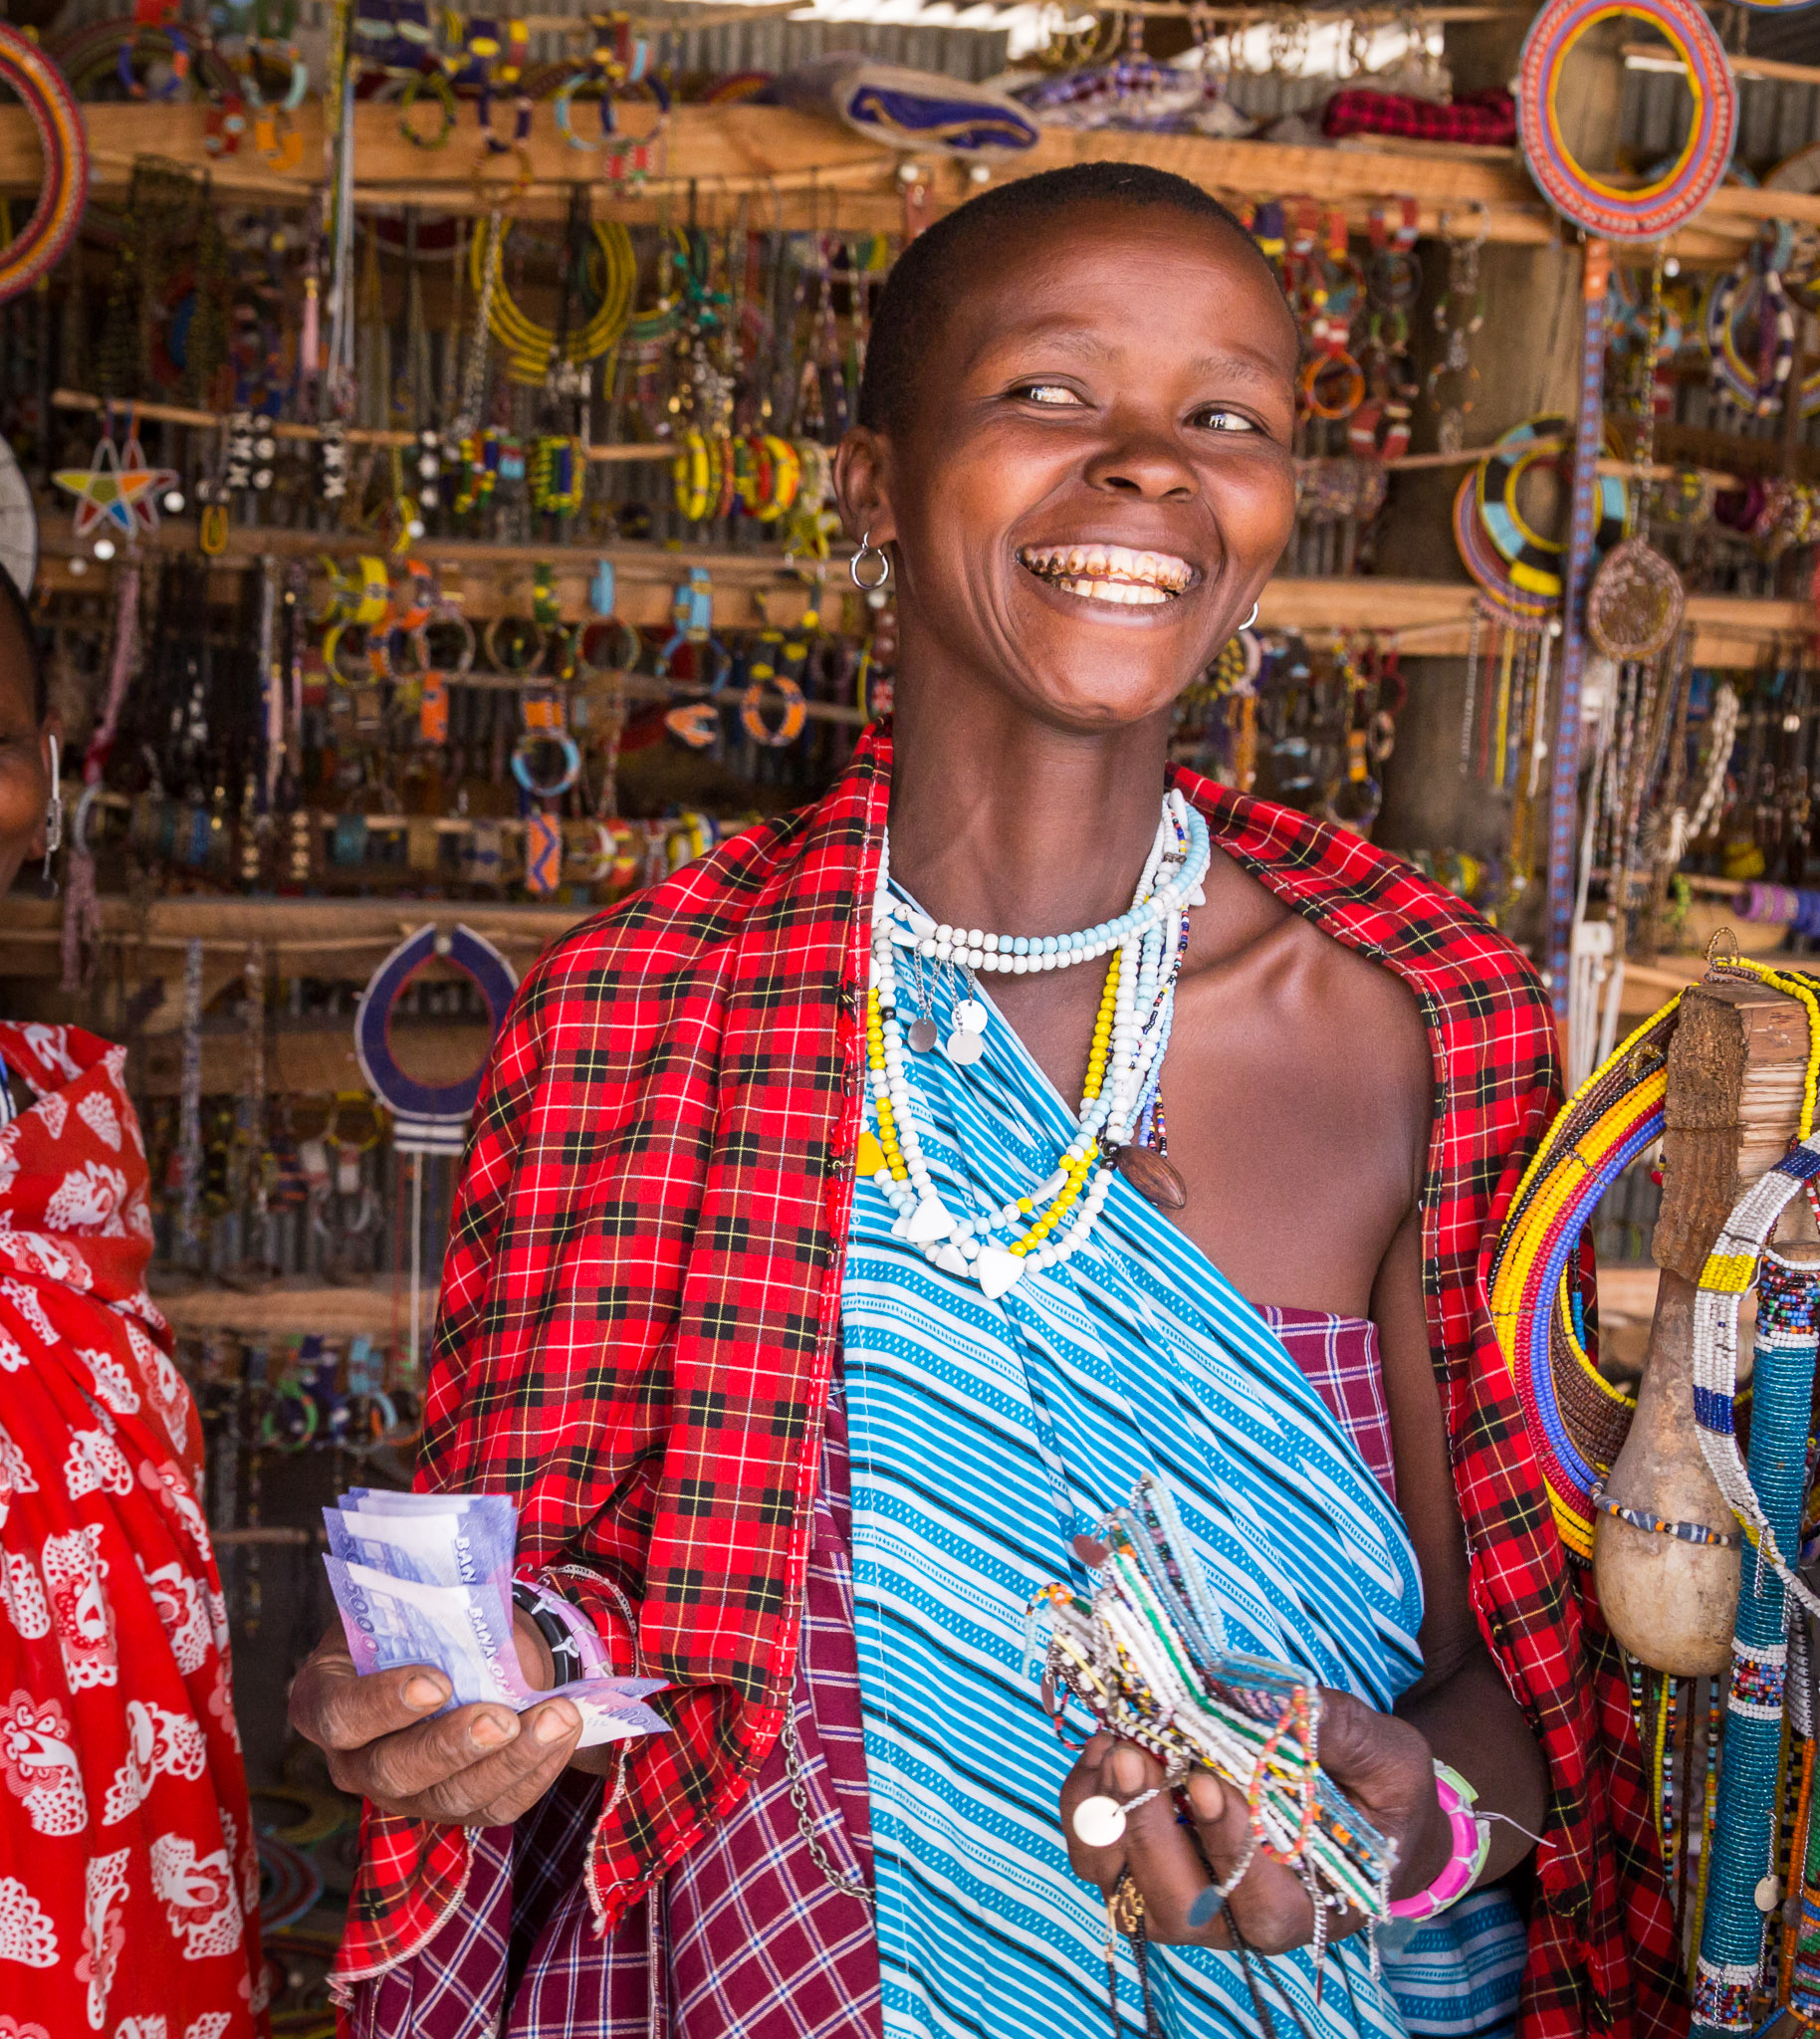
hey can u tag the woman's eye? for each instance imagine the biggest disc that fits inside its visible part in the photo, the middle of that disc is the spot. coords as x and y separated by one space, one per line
1219 419
1054 393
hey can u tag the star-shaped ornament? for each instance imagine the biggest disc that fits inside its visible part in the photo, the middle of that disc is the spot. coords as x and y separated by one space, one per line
107 493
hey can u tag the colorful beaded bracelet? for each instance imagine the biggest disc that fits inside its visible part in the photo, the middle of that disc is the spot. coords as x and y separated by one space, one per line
1472 1844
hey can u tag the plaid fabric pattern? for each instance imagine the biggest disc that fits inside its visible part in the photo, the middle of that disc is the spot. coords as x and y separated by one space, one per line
661 1170
1488 117
745 1935
1338 1357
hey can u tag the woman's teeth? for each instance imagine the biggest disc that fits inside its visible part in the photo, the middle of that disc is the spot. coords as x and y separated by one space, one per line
1109 572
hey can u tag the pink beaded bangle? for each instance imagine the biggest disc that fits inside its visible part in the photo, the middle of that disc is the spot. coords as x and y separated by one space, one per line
582 1632
1472 1844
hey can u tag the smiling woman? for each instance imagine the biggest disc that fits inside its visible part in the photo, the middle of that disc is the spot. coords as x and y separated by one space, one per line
856 1218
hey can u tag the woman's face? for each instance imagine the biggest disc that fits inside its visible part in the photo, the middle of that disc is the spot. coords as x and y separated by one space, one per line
25 777
1094 480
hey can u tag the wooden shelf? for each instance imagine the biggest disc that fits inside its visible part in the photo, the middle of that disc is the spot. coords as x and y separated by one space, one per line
1429 618
788 169
289 1308
1433 618
337 939
490 580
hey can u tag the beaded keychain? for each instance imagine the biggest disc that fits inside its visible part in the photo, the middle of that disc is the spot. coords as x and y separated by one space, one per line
1146 1657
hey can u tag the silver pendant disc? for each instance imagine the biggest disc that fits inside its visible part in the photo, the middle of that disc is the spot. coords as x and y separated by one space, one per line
922 1035
964 1048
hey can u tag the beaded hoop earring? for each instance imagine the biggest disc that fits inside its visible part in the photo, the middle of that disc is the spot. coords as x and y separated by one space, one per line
752 712
513 644
525 753
867 547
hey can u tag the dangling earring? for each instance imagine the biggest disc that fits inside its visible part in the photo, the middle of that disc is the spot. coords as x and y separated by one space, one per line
868 548
1250 619
53 812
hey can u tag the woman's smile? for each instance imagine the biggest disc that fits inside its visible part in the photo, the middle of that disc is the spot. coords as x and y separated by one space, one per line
1099 571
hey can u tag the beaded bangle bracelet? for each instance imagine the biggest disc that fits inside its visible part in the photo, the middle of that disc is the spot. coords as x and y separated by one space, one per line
1472 1844
564 1654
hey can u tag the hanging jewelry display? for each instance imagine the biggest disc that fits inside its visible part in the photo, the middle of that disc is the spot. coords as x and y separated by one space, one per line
1459 312
1746 1889
426 1118
63 144
1635 605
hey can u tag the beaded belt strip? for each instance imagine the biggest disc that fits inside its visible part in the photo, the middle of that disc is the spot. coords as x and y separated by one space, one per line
1659 1526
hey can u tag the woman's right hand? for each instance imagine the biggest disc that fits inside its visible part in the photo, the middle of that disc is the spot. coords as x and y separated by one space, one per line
479 1766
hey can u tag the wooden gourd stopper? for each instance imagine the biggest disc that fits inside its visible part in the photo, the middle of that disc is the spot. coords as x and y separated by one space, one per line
1735 1065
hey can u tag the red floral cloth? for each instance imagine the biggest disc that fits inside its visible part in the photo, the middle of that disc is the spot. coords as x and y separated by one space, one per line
128 1878
641 1303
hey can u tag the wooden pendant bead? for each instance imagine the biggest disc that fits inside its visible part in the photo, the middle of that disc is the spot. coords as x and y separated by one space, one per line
1155 1179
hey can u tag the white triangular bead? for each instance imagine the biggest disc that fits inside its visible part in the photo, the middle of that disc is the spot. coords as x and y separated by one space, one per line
928 1221
948 1258
1198 897
997 1271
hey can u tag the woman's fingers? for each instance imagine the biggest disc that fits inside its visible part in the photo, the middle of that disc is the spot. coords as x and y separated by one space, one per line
1091 1778
496 1789
1178 1866
402 1766
1269 1906
478 1765
333 1706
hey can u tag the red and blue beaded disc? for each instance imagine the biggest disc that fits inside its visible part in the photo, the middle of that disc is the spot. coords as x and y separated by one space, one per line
1656 208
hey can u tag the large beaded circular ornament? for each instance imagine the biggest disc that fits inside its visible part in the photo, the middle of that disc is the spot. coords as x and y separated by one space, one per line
1636 603
1536 563
65 190
1666 202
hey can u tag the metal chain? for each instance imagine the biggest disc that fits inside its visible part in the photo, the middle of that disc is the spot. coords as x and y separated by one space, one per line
1645 405
849 1882
474 382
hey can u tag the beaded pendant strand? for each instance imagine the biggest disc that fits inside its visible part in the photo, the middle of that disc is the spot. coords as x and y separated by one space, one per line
1130 1034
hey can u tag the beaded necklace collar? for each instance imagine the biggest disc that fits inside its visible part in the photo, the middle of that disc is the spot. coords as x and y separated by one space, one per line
1124 1067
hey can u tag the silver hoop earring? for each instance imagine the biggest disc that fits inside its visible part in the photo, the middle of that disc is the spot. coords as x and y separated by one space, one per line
1250 619
53 812
868 550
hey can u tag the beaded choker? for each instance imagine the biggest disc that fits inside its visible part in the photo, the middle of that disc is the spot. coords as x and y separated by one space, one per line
1017 955
1124 1066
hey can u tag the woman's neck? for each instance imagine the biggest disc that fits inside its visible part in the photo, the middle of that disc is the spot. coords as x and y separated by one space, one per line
1002 822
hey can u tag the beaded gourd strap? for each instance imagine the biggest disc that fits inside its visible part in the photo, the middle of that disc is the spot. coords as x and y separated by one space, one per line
1658 1526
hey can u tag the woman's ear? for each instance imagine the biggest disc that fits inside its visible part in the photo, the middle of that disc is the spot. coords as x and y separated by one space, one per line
863 485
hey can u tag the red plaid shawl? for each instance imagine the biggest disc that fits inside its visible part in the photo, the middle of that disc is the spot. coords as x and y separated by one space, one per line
661 1170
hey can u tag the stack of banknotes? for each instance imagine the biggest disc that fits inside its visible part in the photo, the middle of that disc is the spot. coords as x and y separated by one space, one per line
426 1578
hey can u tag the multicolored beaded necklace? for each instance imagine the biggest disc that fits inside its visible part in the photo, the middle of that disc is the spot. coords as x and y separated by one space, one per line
1130 1035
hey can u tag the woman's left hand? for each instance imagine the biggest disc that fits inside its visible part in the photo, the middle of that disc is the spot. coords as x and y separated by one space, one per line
1381 1763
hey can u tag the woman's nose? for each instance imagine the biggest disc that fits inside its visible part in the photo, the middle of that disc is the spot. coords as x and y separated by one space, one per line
1144 463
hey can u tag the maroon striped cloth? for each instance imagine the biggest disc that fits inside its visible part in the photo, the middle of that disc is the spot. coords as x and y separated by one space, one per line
1338 1357
745 1938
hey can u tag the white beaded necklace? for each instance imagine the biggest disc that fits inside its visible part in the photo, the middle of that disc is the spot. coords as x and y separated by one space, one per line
1017 955
1056 1217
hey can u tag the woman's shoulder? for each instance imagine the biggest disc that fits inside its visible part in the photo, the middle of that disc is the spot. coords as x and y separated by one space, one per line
1374 902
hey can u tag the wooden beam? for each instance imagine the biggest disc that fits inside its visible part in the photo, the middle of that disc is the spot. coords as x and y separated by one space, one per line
1429 618
308 1061
291 1307
780 167
297 929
